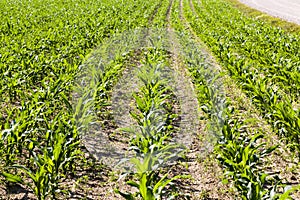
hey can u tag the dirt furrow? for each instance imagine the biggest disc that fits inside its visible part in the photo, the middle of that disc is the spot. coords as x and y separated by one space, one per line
202 167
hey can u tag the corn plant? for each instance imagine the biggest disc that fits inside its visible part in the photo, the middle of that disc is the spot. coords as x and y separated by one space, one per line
47 162
150 185
242 158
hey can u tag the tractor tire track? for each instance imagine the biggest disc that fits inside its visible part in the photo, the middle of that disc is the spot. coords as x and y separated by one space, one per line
204 182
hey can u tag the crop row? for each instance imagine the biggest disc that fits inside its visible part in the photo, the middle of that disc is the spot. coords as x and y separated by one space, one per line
151 139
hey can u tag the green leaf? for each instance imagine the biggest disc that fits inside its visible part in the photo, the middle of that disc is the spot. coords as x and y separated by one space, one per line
12 178
132 183
125 195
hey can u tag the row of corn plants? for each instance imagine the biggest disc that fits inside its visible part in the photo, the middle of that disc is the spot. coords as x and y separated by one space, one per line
240 152
262 58
151 141
42 47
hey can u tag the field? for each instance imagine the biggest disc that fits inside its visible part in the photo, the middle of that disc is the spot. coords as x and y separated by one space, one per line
178 99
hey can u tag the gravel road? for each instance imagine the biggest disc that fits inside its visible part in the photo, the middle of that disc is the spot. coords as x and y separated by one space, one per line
286 9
